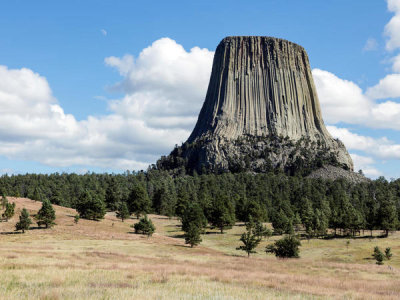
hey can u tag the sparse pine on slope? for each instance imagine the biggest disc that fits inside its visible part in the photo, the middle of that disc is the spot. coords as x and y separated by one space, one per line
9 211
46 215
24 221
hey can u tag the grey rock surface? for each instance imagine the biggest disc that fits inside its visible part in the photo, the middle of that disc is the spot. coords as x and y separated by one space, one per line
333 173
259 87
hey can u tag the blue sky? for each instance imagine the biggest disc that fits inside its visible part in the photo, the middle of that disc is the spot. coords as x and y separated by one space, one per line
112 85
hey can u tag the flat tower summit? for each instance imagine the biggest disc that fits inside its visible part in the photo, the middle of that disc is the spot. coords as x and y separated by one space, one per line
261 112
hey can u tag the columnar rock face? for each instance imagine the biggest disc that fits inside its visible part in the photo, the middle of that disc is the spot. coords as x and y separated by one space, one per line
261 88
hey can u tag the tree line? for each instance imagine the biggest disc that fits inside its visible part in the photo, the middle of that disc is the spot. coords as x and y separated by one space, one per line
291 203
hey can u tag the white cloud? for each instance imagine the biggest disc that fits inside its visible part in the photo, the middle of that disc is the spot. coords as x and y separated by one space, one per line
388 87
396 64
382 148
344 101
392 29
341 100
103 32
164 86
164 90
365 164
370 45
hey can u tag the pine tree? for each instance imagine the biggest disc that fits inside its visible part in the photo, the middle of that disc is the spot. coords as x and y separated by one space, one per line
37 194
192 235
139 201
46 215
122 212
24 221
378 255
281 222
387 214
113 195
250 241
91 207
182 202
222 213
4 201
144 226
9 212
388 253
193 215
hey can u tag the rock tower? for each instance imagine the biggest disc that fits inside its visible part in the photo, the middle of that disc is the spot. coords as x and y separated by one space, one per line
261 111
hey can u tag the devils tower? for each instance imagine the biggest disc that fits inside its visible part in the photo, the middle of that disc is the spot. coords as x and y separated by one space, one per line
261 112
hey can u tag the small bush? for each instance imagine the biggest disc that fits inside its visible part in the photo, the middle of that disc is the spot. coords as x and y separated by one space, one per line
288 247
388 253
378 255
144 226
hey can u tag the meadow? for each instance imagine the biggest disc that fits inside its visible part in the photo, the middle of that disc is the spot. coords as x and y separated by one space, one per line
106 260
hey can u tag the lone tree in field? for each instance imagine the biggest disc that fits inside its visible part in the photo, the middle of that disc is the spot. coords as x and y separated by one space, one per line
24 221
288 247
250 241
139 201
122 212
9 212
222 213
46 215
91 207
192 235
144 226
76 219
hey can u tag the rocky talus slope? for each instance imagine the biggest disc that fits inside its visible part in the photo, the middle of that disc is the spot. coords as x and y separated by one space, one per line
261 111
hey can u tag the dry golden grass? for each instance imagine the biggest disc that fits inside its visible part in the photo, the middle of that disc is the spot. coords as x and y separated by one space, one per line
104 260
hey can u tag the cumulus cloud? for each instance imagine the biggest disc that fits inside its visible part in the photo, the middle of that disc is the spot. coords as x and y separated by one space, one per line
365 164
341 100
392 29
388 87
164 88
344 101
382 148
164 85
396 64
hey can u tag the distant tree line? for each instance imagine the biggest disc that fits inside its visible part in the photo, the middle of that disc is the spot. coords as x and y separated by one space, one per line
291 203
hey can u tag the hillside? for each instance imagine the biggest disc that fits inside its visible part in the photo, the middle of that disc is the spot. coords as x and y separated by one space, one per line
93 260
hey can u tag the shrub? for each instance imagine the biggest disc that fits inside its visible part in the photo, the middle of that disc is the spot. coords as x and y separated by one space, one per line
9 212
144 226
288 247
378 255
388 253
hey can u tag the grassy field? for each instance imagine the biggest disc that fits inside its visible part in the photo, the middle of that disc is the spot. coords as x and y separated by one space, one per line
105 260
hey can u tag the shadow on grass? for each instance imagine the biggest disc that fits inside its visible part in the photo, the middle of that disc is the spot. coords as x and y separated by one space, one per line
11 232
332 237
182 246
178 225
178 236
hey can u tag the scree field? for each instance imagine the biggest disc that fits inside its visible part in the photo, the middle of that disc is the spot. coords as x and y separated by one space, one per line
106 260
